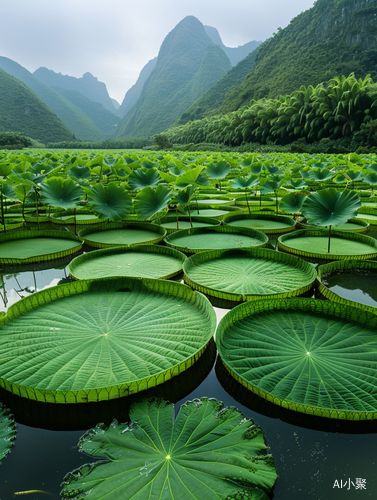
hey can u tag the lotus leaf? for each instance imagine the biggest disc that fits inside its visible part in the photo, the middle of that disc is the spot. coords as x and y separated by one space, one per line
110 201
58 192
328 207
209 452
151 201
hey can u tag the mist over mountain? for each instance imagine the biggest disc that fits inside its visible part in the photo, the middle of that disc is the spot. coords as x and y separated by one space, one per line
235 54
188 64
74 119
88 85
133 94
22 111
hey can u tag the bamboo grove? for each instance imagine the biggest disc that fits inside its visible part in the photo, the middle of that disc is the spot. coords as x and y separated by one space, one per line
333 111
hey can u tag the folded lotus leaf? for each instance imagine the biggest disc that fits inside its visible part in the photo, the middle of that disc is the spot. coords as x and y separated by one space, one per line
209 452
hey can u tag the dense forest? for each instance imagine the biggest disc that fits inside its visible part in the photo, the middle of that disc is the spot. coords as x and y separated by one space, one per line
341 108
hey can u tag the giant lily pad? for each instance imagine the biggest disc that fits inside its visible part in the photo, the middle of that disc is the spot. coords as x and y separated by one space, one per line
242 275
314 245
307 355
95 340
184 222
144 261
360 275
209 452
201 239
7 431
25 247
123 233
266 223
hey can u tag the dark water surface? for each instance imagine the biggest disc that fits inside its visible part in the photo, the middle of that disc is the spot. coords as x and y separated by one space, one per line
310 455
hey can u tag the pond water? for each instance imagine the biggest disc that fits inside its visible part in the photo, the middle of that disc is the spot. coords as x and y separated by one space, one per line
311 454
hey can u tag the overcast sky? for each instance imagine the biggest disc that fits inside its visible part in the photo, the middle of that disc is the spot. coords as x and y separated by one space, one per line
114 39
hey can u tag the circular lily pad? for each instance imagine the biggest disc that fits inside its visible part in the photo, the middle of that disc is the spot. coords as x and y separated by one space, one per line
170 222
216 201
123 233
95 340
143 261
360 275
307 355
217 213
216 237
25 247
68 217
243 275
314 244
268 224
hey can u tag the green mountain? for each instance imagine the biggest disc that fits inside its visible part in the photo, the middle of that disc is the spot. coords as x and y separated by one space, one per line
22 111
77 121
134 92
188 64
211 100
333 38
105 120
87 85
235 54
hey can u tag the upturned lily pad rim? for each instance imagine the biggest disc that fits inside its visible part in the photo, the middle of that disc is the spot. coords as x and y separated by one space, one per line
283 242
253 233
252 253
359 222
20 235
337 267
368 211
172 218
43 297
84 234
320 307
153 249
279 218
56 217
224 208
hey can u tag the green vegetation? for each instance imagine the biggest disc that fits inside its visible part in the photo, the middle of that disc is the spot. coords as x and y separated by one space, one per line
12 140
188 64
331 38
213 98
344 108
88 86
21 111
194 455
74 119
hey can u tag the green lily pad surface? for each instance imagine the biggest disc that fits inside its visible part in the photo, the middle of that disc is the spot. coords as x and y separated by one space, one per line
102 339
240 275
144 261
210 452
217 213
307 355
123 234
170 223
315 244
266 224
216 237
33 246
7 431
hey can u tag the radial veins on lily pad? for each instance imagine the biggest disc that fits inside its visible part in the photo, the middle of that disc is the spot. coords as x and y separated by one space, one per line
210 452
